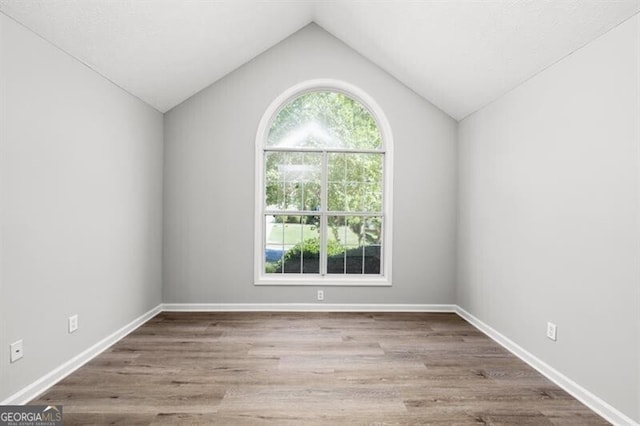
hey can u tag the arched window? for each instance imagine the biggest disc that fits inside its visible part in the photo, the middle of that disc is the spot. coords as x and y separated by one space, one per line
323 188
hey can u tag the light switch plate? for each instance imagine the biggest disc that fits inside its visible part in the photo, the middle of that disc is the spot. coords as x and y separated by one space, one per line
73 323
552 331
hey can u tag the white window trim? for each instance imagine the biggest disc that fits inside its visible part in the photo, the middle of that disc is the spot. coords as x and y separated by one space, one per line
361 96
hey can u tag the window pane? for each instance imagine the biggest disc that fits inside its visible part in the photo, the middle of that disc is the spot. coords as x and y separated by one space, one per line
337 234
293 181
354 244
336 196
353 260
274 248
292 244
372 244
355 182
311 246
324 120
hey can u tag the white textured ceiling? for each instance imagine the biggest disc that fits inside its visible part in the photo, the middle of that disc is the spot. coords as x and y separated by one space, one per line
458 54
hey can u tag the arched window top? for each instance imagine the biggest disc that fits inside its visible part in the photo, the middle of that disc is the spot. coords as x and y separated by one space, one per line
327 120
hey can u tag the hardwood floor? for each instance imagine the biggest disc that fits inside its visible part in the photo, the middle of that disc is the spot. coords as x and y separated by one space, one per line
311 368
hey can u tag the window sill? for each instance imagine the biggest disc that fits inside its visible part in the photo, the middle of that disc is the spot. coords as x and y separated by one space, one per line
317 280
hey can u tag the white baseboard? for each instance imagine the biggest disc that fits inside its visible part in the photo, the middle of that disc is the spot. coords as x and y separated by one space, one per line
303 307
581 394
45 382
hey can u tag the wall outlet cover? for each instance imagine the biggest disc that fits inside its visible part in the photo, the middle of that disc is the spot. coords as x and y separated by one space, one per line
16 350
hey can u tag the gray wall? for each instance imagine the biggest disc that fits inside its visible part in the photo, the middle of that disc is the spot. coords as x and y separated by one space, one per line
549 216
80 213
209 181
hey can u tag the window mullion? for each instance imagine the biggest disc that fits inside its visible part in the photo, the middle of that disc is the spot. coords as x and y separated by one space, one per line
324 205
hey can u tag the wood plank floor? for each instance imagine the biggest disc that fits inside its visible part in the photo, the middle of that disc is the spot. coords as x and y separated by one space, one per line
311 368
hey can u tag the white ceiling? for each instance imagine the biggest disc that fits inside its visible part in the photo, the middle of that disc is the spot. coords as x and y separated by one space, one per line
458 54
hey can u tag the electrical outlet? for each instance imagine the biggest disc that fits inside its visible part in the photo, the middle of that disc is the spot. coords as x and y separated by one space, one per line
552 331
73 323
16 350
320 295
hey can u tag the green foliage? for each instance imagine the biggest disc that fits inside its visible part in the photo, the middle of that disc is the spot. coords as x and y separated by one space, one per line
273 268
325 119
367 229
307 255
309 250
311 246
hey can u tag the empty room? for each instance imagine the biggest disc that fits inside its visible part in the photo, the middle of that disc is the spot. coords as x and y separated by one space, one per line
320 212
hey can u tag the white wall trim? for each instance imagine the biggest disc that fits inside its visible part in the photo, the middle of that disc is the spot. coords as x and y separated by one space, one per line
45 382
303 307
596 404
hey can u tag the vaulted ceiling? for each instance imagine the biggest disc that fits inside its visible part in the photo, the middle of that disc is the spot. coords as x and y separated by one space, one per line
458 54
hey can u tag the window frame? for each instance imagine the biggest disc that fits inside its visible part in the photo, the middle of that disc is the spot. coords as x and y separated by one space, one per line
261 278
